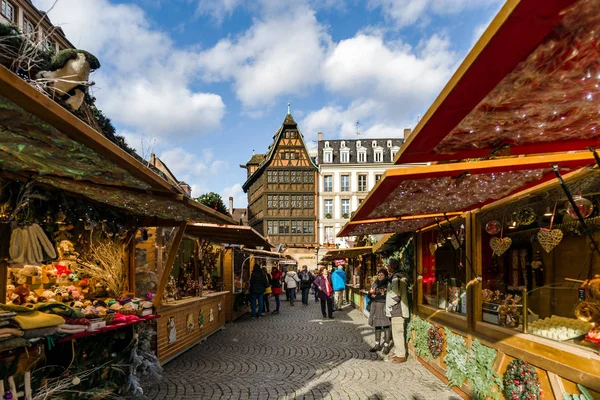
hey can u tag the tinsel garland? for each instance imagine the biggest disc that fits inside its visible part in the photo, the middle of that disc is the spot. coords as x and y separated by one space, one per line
521 381
435 340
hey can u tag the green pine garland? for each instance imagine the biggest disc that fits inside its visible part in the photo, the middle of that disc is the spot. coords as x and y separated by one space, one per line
480 371
421 338
456 359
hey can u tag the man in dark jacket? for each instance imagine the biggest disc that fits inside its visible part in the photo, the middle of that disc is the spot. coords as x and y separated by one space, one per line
258 286
306 280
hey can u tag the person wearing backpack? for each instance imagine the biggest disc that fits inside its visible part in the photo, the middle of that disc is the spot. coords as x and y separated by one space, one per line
339 279
306 280
292 281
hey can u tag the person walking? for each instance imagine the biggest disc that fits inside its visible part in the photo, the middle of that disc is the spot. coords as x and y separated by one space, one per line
306 280
377 317
268 291
315 291
396 307
258 285
338 278
291 282
276 287
324 287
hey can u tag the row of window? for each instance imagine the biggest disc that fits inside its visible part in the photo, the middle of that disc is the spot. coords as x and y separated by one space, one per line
289 155
283 201
291 134
287 227
361 156
328 207
8 10
290 176
345 183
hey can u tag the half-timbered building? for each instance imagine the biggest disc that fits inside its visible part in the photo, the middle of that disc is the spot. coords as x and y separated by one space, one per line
282 190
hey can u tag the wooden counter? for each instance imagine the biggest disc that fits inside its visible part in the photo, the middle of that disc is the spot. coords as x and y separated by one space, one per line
187 322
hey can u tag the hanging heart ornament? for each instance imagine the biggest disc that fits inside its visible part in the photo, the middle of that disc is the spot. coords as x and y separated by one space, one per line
500 245
454 243
433 247
549 239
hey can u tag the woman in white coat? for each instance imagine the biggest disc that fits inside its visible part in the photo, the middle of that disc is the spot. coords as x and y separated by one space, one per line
292 281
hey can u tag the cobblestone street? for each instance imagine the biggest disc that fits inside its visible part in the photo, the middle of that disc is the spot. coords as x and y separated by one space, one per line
293 355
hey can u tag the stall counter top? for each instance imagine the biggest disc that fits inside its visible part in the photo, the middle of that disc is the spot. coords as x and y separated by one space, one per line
213 294
108 328
179 303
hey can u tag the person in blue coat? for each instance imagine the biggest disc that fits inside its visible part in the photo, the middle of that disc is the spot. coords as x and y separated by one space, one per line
338 280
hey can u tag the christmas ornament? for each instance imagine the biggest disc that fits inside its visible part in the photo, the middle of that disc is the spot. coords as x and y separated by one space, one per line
441 239
432 248
549 239
525 216
500 245
584 205
493 227
454 242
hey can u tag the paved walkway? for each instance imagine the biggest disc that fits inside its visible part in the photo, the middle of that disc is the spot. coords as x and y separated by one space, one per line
295 355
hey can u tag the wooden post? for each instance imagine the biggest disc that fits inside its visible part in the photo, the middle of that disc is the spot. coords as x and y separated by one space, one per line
3 281
166 271
131 266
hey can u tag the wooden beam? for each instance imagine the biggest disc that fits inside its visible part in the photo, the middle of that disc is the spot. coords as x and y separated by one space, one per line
131 264
166 271
3 281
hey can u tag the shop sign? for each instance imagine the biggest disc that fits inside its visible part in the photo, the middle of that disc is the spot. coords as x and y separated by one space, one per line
339 261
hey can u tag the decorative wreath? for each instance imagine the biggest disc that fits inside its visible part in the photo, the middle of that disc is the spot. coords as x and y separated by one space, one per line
435 340
521 381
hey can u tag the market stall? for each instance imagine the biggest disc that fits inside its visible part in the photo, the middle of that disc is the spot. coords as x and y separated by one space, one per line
200 293
527 282
72 207
360 265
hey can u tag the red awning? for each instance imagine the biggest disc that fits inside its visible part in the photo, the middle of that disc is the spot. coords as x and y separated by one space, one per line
408 199
532 82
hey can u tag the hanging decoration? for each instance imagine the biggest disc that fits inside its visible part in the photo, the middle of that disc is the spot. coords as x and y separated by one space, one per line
435 340
521 381
500 245
432 248
493 227
454 242
525 216
584 205
441 239
550 238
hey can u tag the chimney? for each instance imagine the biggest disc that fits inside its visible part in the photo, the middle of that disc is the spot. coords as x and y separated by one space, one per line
320 136
407 133
153 160
231 205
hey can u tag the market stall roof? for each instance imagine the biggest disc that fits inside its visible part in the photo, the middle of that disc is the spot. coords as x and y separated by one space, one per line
139 203
531 82
348 253
408 199
37 135
266 253
230 234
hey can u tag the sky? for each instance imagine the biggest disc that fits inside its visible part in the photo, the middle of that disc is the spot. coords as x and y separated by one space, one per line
204 84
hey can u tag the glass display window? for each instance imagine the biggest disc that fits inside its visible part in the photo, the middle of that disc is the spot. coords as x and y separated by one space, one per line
444 270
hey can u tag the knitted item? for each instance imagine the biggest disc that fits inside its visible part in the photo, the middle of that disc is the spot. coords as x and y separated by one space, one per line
40 332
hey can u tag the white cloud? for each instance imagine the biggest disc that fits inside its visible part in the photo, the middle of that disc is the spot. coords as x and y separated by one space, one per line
239 197
144 83
276 56
410 12
218 10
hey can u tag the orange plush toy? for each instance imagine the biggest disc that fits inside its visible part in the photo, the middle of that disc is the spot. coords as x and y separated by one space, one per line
22 291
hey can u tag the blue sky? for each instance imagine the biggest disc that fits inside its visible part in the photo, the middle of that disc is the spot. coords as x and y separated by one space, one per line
204 83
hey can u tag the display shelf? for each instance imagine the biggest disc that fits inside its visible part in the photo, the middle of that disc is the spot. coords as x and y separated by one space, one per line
108 328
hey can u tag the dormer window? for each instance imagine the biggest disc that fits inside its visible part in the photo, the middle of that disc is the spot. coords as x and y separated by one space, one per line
345 156
328 155
374 143
379 155
358 144
362 156
394 151
327 145
343 145
389 143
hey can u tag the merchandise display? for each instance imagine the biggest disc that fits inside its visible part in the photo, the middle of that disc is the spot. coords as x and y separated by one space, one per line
559 328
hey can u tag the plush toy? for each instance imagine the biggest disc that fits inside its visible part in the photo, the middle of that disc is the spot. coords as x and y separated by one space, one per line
100 291
47 296
84 287
10 293
34 271
22 291
74 293
66 251
69 74
31 299
74 277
